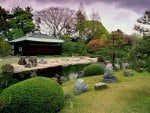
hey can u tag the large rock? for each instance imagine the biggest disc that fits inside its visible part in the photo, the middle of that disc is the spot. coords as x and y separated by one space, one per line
42 61
118 67
7 69
109 78
128 73
125 65
80 87
28 65
22 61
33 61
73 76
7 73
109 68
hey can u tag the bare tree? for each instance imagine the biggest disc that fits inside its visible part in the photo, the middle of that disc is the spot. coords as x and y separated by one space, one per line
57 20
95 16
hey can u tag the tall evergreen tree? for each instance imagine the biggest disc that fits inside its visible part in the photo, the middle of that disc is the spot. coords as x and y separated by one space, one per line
20 22
80 18
3 21
145 20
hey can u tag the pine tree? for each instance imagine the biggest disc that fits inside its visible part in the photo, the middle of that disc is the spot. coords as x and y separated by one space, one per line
20 23
80 18
145 20
3 21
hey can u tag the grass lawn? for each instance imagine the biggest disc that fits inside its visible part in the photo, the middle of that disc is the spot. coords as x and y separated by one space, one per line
129 95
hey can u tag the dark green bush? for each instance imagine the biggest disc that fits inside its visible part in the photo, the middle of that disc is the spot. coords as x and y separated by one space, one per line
4 48
93 69
73 48
35 95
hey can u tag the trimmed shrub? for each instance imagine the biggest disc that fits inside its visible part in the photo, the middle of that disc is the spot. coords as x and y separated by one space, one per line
35 95
93 69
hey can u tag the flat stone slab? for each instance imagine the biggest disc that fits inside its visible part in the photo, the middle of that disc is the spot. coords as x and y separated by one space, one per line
100 85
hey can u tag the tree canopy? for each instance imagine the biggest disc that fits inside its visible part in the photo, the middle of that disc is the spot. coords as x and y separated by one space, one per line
20 22
145 20
3 21
56 20
16 23
95 29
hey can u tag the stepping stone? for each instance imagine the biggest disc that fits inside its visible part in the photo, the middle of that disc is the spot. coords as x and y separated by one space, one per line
100 85
128 73
109 78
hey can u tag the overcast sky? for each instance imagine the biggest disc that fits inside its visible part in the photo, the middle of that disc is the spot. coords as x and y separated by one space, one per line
115 14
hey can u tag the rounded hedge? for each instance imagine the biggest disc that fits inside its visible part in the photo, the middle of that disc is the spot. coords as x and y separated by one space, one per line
35 95
93 69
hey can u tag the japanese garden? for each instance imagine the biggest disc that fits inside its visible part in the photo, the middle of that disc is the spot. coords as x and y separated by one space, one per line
76 56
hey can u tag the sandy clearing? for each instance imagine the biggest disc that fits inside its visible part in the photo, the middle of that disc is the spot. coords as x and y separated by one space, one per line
53 62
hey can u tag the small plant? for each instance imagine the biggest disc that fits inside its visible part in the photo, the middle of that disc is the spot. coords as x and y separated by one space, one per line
93 69
35 95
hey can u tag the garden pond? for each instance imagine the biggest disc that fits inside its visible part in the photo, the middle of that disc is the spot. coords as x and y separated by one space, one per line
65 72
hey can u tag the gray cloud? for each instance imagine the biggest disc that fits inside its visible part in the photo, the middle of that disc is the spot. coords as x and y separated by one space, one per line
135 5
115 14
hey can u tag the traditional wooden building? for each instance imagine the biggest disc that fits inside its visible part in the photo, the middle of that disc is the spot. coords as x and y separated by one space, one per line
36 44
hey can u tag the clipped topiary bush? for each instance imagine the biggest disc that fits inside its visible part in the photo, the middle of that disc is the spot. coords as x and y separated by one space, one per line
93 69
35 95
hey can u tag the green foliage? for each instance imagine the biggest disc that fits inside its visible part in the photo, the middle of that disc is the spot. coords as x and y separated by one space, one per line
142 46
80 22
97 29
15 33
35 95
140 55
132 94
4 48
17 23
74 48
2 37
117 48
20 22
3 20
93 69
143 22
